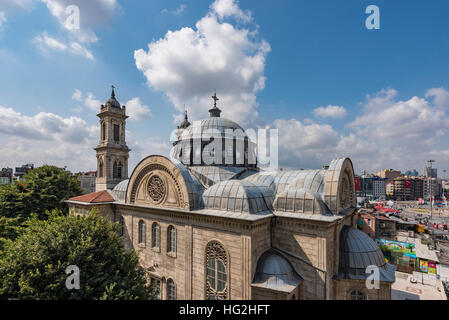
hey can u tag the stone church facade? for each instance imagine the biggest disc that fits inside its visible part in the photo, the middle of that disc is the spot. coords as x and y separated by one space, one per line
231 230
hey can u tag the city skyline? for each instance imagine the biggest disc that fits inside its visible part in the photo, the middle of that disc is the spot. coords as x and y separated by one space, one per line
388 112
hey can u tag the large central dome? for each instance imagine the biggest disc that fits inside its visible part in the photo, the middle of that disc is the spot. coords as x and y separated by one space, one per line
214 141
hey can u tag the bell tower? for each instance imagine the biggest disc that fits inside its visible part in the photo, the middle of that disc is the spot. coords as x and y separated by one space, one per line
112 151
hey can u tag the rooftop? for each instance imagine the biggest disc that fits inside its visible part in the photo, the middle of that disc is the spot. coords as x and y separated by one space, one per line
96 197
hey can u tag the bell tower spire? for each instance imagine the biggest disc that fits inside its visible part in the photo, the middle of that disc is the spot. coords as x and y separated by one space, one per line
112 151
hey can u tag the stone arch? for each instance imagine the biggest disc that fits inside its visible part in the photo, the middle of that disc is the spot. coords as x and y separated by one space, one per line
156 181
339 188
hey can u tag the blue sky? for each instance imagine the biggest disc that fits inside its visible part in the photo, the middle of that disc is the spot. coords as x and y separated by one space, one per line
309 68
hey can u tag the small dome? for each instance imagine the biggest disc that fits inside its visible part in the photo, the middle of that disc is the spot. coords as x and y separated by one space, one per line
119 191
238 196
357 252
213 127
275 272
112 102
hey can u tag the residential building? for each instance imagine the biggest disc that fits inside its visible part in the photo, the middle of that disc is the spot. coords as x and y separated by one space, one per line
87 181
436 191
389 174
379 188
430 172
21 171
385 227
6 176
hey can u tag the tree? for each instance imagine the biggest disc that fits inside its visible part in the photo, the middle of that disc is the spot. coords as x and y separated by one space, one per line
10 228
34 265
44 188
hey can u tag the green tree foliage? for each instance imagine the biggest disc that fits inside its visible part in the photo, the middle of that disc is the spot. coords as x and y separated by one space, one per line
10 229
34 265
43 189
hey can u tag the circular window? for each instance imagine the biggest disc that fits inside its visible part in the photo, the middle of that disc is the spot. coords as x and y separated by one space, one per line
156 188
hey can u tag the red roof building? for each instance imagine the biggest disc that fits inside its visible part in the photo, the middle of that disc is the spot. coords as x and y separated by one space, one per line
96 197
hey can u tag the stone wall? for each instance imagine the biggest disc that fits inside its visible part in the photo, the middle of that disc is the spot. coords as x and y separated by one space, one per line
343 289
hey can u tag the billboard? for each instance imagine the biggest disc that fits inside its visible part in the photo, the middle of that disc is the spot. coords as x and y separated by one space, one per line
397 248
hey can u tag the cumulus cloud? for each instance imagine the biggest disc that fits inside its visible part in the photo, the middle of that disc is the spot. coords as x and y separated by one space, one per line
46 138
45 126
137 110
77 38
440 96
46 42
143 148
305 145
388 133
189 64
92 13
230 8
334 112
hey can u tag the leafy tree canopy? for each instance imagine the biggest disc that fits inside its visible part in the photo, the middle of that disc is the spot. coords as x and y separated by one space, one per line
34 265
44 188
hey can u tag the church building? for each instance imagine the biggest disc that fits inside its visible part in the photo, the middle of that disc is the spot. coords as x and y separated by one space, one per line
208 223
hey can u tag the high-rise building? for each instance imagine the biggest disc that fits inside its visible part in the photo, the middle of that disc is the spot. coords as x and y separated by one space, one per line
436 191
430 172
112 151
379 188
389 174
21 171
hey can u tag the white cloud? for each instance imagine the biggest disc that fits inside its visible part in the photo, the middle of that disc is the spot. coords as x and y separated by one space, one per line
334 112
92 103
178 11
389 133
92 14
77 95
46 138
230 8
188 65
137 110
46 42
440 96
144 148
305 145
45 126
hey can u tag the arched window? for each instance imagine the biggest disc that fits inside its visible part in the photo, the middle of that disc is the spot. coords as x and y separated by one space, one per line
119 170
114 170
171 239
357 295
142 232
155 236
103 131
122 226
216 271
171 290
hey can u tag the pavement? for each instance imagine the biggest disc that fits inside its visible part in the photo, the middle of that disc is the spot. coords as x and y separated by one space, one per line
403 289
